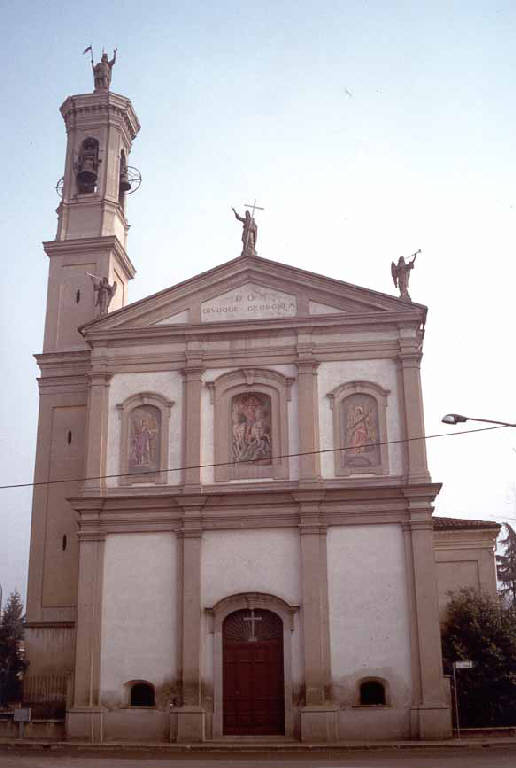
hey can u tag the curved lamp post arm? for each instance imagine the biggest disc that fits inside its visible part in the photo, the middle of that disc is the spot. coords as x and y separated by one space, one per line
457 418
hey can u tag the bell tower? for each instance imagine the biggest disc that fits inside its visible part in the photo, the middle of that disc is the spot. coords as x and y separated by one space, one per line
92 227
87 254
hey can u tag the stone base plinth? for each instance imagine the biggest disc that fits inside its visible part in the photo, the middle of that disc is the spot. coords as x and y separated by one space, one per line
85 724
431 722
319 723
189 724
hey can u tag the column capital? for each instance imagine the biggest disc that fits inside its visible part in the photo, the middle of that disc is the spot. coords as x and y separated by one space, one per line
99 378
410 358
307 365
91 535
417 525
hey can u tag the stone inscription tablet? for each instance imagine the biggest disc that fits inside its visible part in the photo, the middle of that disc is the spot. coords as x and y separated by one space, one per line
249 302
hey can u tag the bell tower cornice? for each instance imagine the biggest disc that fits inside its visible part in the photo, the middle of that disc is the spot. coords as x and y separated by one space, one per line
93 108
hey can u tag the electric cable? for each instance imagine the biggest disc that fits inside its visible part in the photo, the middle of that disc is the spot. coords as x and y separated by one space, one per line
251 461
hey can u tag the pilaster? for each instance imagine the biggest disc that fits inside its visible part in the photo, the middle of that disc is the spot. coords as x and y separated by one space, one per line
317 716
308 420
191 715
410 361
84 719
96 445
430 712
192 373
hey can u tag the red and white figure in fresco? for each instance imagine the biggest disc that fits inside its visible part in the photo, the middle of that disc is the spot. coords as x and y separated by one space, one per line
361 431
251 427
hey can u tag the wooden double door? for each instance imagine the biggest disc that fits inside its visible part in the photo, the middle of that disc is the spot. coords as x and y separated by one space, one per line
253 677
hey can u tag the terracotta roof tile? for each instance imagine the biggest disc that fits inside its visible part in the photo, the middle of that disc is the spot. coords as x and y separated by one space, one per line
454 523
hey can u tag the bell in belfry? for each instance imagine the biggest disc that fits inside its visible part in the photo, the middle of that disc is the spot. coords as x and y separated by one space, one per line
87 166
125 184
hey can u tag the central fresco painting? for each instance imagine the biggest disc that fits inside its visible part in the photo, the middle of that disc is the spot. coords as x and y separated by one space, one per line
251 427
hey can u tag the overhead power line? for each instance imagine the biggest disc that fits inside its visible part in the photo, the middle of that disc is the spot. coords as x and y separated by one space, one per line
249 461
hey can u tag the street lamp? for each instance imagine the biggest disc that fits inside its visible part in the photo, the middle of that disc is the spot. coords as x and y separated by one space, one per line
457 418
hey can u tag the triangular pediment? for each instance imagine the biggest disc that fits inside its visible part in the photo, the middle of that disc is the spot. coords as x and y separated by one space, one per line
251 288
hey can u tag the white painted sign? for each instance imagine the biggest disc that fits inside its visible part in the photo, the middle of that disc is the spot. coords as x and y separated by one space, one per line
249 302
22 715
467 664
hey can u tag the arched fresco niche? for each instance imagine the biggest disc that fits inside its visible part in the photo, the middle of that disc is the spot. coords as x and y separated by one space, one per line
251 424
360 428
144 438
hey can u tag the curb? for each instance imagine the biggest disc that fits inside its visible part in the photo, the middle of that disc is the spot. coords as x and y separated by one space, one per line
293 748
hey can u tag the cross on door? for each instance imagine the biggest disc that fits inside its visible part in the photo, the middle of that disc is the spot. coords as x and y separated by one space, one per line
252 619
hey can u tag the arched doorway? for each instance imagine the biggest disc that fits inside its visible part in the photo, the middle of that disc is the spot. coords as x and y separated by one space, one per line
253 675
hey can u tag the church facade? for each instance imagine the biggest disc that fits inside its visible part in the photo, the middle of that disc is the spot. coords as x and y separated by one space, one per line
233 532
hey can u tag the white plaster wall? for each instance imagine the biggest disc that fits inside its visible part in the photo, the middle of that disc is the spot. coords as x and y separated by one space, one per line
251 561
208 423
382 372
139 611
169 384
369 612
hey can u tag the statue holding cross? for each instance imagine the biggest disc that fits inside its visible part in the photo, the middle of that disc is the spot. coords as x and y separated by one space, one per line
250 230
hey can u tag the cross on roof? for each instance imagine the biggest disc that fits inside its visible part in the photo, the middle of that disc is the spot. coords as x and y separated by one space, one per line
254 208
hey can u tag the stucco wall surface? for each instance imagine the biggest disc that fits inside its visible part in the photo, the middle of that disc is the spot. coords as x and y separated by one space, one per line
369 613
139 612
168 384
332 375
251 561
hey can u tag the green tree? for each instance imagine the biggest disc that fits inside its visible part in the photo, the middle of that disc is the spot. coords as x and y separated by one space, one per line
482 629
11 654
506 565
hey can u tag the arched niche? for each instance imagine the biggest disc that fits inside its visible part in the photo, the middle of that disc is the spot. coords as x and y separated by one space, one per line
360 428
144 438
251 424
372 692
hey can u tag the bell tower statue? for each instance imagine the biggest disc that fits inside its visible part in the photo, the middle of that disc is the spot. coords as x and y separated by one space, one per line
88 275
89 252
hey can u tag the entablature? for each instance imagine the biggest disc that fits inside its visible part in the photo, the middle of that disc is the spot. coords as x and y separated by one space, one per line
238 508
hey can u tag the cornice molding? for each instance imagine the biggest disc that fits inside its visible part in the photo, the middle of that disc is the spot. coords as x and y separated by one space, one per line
106 329
94 107
92 245
49 624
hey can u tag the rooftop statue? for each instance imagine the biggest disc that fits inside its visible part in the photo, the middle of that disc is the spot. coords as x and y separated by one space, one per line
401 273
249 232
102 71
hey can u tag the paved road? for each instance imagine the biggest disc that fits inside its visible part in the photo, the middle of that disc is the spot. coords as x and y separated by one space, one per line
478 757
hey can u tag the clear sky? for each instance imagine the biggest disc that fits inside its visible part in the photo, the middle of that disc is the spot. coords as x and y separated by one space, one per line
367 130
